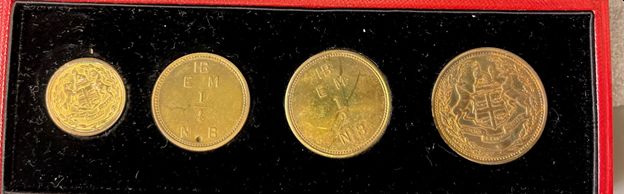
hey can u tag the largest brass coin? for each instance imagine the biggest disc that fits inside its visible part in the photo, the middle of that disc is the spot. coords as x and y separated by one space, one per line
489 105
338 103
200 101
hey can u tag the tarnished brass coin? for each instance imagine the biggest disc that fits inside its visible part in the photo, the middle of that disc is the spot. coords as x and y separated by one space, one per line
489 105
200 101
338 103
85 97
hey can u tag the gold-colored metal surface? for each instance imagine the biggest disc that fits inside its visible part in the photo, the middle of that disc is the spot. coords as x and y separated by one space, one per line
200 101
338 103
85 97
489 105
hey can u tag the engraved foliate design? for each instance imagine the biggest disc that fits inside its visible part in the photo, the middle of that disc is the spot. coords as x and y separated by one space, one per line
489 105
85 97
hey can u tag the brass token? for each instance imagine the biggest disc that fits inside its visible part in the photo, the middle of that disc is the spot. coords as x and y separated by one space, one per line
489 105
85 97
200 101
338 103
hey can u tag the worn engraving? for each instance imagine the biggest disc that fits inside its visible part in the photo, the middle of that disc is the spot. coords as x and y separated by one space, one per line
338 103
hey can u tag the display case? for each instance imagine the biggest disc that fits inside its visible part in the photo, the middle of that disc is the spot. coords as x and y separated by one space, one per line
566 43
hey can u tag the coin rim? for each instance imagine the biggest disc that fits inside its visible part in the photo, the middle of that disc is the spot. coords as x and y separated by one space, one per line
244 88
384 85
69 129
540 87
